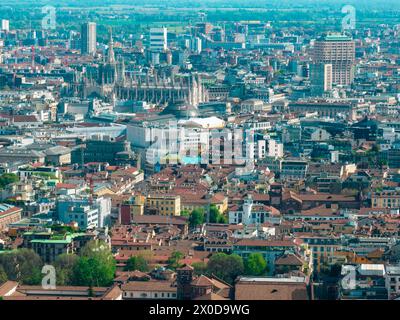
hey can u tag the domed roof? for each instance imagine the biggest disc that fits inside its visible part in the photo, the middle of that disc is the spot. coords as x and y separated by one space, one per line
180 110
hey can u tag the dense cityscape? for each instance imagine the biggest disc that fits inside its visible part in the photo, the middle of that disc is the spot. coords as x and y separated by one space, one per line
199 150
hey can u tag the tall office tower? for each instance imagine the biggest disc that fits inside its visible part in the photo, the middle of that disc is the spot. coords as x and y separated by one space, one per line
5 25
88 38
321 78
158 39
339 51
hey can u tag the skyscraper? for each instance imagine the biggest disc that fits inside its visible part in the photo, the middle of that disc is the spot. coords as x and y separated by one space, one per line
5 25
337 50
88 38
321 78
158 39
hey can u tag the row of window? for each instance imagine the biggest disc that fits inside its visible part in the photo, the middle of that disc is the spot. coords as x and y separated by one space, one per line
148 295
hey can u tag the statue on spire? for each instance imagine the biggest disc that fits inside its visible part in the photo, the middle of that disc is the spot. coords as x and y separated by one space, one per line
110 53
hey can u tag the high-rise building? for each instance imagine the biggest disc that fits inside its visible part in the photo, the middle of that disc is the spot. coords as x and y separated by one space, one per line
158 39
5 25
88 38
337 50
321 78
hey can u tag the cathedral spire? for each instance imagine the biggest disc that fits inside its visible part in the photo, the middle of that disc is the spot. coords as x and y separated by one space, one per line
110 53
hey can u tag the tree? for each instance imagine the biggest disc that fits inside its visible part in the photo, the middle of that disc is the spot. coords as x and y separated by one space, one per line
7 178
199 268
90 291
64 265
222 219
375 148
255 264
224 266
214 213
3 276
216 216
23 265
196 218
185 213
95 266
173 260
137 263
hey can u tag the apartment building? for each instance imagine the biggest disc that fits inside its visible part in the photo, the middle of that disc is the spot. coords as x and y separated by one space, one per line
162 204
386 199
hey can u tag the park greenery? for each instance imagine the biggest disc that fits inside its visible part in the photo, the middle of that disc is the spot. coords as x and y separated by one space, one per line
199 268
22 265
216 216
138 262
226 267
95 266
173 261
64 265
3 275
255 265
7 178
198 216
195 218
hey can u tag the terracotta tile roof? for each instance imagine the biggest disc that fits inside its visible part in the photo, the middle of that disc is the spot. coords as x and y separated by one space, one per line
289 260
265 243
325 197
159 219
210 296
276 290
8 209
47 298
65 186
202 281
114 293
7 288
153 285
19 118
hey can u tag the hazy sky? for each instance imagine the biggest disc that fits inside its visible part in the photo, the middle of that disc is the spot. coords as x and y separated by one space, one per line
359 4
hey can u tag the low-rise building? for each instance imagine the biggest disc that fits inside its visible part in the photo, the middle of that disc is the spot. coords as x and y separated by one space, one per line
272 288
363 282
253 213
162 204
145 290
9 214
